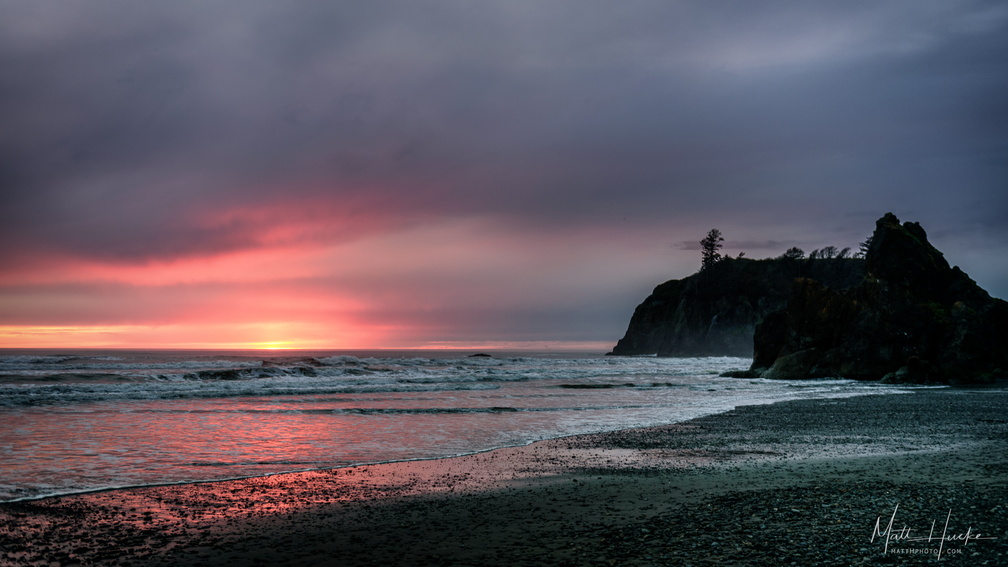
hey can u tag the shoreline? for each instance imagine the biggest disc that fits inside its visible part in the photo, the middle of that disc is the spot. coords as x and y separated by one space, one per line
639 496
71 492
86 491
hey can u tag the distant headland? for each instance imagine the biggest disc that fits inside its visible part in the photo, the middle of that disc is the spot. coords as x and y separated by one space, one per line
896 312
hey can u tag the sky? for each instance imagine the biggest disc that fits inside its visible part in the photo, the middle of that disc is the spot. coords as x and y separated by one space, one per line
423 174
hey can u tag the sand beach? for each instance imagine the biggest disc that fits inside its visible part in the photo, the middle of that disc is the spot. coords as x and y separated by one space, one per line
902 479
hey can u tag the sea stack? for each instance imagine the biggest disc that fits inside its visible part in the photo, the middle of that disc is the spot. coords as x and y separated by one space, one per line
912 319
715 311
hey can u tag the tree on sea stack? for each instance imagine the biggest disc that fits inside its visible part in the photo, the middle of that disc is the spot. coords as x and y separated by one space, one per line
794 253
709 247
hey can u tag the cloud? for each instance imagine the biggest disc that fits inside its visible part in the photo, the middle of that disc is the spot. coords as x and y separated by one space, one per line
143 138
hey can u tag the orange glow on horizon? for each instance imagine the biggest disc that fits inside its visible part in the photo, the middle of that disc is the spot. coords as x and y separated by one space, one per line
276 345
187 337
262 336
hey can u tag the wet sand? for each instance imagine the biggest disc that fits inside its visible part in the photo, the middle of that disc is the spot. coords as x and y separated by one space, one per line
804 482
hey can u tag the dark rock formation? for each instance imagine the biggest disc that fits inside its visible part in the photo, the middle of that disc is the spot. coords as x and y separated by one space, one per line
715 312
912 319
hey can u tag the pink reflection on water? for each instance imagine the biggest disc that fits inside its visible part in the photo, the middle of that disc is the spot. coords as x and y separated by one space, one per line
195 440
140 522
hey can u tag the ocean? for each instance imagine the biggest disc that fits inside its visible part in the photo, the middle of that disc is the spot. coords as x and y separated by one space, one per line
76 421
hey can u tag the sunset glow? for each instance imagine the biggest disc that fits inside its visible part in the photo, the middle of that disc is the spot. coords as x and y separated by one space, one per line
174 336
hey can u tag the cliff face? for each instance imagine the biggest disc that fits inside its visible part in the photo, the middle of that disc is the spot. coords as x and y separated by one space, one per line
716 311
913 318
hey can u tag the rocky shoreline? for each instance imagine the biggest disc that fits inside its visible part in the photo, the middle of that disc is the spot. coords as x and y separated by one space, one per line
801 482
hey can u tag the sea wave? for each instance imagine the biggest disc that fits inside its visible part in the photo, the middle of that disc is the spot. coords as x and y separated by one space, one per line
35 380
188 417
21 395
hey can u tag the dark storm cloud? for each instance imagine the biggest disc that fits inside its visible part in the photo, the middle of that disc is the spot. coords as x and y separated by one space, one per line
124 123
